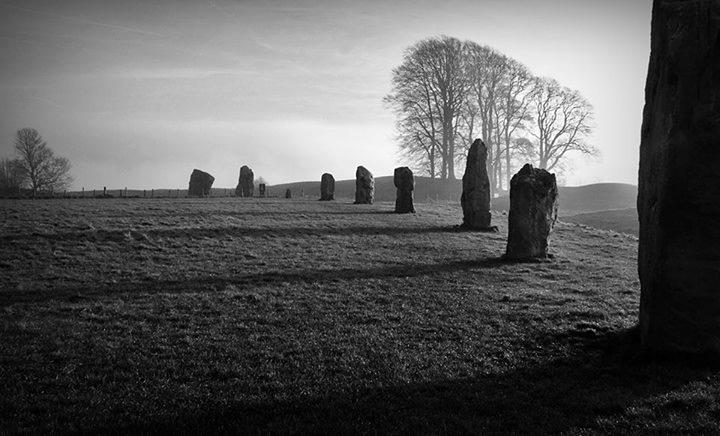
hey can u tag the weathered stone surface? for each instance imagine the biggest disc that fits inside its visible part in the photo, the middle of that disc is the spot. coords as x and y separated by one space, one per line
261 190
246 185
475 199
679 184
327 187
364 186
533 211
405 184
200 184
288 193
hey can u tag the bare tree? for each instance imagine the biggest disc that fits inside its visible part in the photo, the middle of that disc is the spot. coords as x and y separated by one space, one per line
39 166
485 69
562 121
513 106
446 93
11 176
429 90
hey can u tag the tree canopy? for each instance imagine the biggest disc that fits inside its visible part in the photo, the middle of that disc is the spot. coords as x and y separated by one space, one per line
447 92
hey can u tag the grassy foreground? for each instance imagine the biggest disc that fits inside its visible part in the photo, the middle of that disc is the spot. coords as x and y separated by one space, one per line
300 316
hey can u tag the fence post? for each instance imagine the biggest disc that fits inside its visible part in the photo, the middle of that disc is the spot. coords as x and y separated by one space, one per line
104 191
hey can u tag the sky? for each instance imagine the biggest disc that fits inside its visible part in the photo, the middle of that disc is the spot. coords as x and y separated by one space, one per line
137 93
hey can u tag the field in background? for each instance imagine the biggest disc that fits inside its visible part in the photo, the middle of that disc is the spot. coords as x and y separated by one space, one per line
619 220
301 316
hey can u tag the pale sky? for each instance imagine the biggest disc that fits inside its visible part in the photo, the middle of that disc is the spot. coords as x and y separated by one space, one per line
137 93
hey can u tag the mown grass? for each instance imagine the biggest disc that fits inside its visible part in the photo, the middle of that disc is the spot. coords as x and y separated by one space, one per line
301 316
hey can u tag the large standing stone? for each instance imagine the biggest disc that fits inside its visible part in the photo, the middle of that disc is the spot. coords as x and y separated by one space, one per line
200 184
364 186
246 186
533 211
327 187
261 190
405 184
679 185
288 193
475 199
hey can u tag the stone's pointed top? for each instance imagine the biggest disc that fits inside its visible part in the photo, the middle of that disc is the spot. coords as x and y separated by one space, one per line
478 143
362 170
545 178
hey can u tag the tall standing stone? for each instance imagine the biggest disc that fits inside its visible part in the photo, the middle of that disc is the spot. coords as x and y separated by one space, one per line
200 184
475 199
364 186
327 187
679 184
533 211
405 184
261 190
288 193
246 186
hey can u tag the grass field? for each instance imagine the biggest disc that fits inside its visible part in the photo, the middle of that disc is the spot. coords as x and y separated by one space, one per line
619 220
299 316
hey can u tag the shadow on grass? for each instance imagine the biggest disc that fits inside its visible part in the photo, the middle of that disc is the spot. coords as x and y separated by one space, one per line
128 235
600 379
204 284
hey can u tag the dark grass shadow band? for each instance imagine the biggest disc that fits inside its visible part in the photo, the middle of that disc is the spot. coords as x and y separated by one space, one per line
599 378
220 232
214 284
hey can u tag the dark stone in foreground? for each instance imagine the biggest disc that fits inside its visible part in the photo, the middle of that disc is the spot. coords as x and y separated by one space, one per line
288 193
679 184
364 186
327 187
261 190
405 184
246 186
533 211
200 184
475 199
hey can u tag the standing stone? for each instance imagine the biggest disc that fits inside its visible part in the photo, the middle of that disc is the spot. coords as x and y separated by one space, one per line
405 184
533 211
261 190
200 184
364 186
475 199
245 186
679 184
327 187
288 193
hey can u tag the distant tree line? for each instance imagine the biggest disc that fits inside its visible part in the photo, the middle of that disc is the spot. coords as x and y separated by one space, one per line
447 92
36 169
